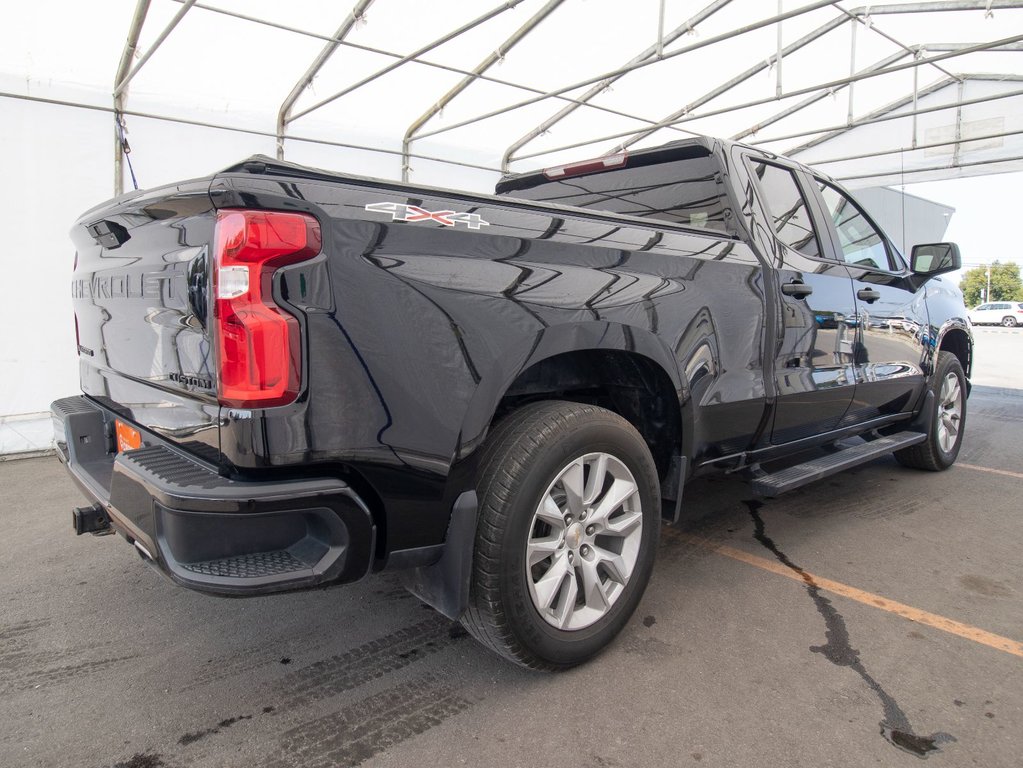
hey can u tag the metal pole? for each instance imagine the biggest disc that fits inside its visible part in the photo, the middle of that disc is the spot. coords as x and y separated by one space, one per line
648 53
380 150
636 65
483 66
811 100
854 15
120 98
137 20
971 164
122 83
878 31
778 56
425 62
934 6
660 29
236 129
739 79
916 97
798 92
925 7
816 162
506 6
284 113
852 70
881 115
959 124
1011 48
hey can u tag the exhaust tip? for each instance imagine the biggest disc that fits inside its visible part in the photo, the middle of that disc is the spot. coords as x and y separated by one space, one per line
143 551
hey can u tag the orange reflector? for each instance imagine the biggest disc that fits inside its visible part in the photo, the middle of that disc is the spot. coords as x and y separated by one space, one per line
128 438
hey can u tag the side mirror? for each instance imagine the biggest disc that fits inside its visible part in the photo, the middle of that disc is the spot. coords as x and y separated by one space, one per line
935 259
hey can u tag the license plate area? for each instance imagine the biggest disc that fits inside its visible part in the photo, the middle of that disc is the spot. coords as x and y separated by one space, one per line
128 438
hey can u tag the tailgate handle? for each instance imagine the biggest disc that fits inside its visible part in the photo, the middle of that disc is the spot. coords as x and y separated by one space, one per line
109 234
799 290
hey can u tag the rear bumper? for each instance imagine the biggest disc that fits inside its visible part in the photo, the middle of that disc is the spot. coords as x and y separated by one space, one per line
209 532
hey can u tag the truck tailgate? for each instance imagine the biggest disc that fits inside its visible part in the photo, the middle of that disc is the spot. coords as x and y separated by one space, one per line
141 298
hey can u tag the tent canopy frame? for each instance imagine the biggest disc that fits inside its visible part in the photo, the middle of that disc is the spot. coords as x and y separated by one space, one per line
930 55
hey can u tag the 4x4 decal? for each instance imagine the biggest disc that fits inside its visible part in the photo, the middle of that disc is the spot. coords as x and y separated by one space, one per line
412 213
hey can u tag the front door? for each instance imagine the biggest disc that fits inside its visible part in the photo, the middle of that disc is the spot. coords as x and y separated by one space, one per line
813 371
891 314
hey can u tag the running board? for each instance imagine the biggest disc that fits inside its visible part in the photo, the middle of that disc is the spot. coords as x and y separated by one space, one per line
802 474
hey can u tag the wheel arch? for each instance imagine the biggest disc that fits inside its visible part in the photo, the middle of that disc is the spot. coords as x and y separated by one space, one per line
958 340
572 362
445 584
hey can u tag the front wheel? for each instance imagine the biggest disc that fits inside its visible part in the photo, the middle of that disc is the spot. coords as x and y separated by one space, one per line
568 528
945 433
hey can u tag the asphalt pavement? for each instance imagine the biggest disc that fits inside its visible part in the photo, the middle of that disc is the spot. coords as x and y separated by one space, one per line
872 619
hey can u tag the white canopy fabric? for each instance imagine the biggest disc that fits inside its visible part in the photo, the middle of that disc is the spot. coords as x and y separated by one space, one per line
530 83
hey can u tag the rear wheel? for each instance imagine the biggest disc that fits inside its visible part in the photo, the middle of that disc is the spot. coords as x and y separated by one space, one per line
567 532
1009 321
945 435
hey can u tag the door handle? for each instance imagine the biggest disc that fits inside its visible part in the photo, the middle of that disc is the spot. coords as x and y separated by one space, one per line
799 290
868 295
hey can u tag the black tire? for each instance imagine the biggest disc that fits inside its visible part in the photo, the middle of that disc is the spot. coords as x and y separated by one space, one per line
521 459
930 454
1009 321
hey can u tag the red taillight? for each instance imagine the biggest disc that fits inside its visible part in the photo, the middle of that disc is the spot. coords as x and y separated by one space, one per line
258 343
587 166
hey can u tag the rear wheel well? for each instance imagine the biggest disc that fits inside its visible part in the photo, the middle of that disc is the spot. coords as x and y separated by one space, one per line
957 342
631 385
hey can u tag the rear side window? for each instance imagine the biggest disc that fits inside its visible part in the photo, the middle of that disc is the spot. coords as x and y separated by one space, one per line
787 208
687 191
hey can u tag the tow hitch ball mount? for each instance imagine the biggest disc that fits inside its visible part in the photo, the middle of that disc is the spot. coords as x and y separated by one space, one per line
92 519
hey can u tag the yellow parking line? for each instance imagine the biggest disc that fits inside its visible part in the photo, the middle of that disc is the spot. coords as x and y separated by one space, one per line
1005 472
867 598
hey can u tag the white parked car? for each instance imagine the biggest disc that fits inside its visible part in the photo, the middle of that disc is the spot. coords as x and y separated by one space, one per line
1007 313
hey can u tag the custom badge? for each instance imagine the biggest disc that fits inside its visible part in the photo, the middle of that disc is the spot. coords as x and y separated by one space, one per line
413 213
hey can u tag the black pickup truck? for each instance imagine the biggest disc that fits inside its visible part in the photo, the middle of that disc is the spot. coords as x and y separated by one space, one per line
294 378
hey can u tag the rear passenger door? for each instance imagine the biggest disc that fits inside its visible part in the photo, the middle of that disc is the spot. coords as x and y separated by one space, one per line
891 313
813 358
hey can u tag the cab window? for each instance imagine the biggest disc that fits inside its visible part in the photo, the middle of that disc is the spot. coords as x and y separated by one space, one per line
787 208
682 185
862 244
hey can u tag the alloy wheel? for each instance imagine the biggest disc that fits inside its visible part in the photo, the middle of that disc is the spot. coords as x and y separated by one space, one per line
950 412
584 541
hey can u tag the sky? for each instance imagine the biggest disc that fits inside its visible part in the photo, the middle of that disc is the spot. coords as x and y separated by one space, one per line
987 210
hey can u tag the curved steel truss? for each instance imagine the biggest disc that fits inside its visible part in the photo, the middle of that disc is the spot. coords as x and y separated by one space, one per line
780 104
